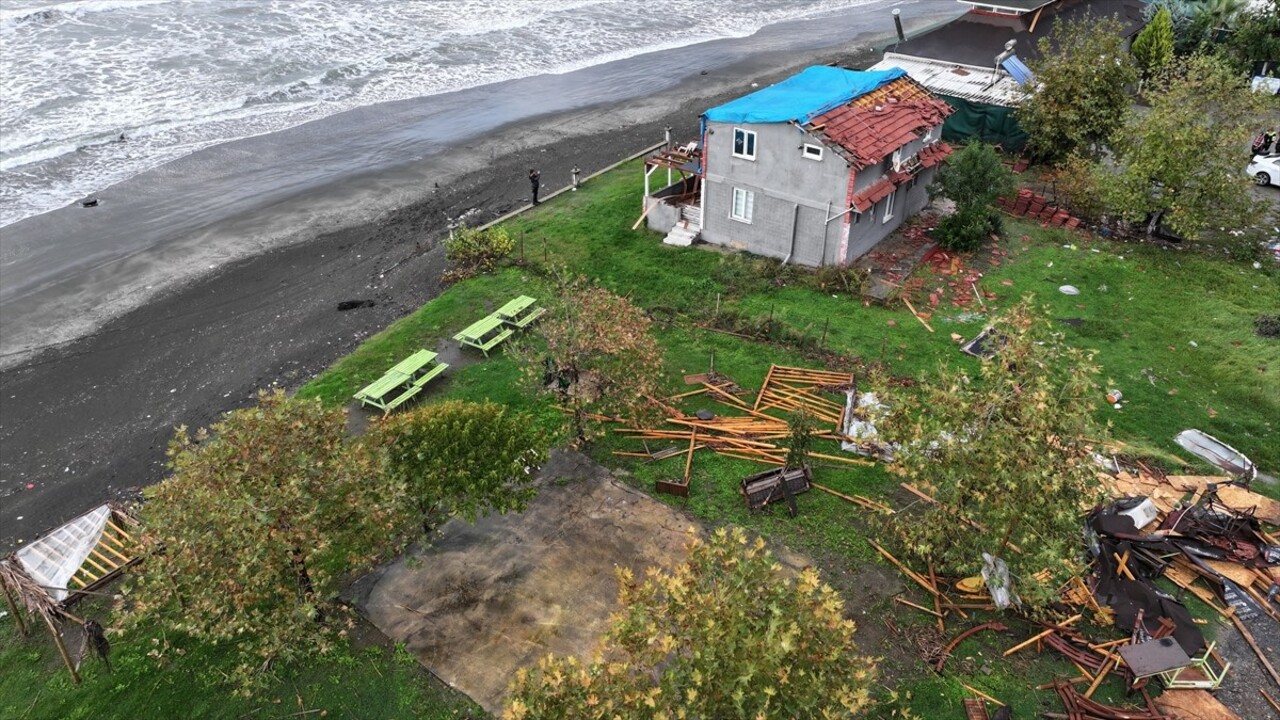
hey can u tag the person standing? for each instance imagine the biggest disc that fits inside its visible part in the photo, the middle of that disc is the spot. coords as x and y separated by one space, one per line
535 182
1268 140
1259 144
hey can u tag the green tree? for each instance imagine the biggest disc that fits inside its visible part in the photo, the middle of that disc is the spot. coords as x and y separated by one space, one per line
800 430
1256 37
1153 48
727 634
1181 163
460 458
972 178
600 356
1079 96
244 541
1006 452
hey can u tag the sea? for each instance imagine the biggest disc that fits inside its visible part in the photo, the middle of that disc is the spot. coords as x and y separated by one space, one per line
190 111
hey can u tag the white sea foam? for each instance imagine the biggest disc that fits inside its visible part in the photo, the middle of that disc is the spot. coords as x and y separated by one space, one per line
172 76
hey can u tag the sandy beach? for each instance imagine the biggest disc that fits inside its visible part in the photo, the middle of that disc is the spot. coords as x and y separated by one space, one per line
87 420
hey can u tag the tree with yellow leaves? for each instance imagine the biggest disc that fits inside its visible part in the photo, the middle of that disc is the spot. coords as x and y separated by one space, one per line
728 633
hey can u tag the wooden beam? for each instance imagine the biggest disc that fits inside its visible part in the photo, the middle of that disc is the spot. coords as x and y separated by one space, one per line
62 648
13 607
1035 19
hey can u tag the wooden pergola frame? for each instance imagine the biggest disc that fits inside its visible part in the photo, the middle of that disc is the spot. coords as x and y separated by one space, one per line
112 551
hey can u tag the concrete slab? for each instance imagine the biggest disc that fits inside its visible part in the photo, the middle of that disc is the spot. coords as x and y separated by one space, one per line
487 599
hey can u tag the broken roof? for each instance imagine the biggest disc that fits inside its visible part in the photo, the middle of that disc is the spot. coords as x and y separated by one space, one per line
871 126
802 96
976 40
983 85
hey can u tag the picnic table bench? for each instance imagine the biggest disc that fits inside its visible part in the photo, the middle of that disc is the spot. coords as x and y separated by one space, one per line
485 334
402 382
520 312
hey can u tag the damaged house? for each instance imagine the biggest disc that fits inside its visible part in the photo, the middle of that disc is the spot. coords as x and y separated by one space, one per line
814 170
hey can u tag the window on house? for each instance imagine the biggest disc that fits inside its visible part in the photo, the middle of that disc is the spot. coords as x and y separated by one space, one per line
857 217
888 207
744 144
743 204
928 136
813 152
897 158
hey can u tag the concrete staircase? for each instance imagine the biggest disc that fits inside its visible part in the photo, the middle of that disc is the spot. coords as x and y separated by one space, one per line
686 229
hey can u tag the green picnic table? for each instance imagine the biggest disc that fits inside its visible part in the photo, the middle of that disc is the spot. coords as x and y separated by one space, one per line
484 334
402 382
520 312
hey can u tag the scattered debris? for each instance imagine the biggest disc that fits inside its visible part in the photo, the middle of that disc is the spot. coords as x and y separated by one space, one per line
1069 290
1218 453
776 485
986 345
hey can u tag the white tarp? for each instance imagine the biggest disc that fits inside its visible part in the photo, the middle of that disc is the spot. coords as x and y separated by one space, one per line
54 558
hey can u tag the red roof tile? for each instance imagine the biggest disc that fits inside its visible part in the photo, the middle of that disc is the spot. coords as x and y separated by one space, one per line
878 191
931 155
872 126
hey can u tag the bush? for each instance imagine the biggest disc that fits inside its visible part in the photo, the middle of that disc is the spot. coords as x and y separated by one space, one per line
966 230
478 250
1077 183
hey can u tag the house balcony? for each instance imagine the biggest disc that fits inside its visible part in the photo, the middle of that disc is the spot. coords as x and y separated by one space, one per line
676 207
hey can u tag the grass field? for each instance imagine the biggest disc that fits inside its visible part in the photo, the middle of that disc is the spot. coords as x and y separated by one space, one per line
1173 331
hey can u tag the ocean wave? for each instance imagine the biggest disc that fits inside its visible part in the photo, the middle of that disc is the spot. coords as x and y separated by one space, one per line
65 10
225 70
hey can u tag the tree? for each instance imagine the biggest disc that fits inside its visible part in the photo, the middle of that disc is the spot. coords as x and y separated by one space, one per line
460 458
600 356
1180 164
800 430
1153 48
475 250
727 634
1079 95
1256 37
245 539
972 178
1007 454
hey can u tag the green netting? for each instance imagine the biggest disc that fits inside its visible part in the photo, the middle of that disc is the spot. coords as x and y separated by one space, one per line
989 123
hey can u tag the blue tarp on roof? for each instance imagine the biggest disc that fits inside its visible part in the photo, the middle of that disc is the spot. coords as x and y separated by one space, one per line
803 96
1018 69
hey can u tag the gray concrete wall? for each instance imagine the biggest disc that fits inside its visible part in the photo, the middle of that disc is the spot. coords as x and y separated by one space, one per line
781 179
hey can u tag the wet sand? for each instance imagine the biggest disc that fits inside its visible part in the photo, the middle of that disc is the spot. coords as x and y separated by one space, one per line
88 420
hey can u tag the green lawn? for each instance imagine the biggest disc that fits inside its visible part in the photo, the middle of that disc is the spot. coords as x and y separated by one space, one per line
1141 308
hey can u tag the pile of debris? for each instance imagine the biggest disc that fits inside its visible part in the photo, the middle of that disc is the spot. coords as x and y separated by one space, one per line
752 433
1028 204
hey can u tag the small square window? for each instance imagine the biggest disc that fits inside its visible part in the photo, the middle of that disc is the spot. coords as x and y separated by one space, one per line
743 205
813 152
744 144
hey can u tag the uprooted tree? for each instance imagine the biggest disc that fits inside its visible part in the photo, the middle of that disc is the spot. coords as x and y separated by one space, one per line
600 356
728 633
460 458
1080 96
1006 452
1180 164
245 539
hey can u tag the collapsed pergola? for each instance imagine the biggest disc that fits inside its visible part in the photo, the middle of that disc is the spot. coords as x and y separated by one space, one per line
72 561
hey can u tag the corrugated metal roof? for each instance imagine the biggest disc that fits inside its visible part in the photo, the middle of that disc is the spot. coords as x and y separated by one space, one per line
959 81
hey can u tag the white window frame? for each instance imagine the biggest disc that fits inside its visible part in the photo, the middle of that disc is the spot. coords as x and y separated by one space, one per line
748 205
811 151
888 206
896 162
749 144
928 136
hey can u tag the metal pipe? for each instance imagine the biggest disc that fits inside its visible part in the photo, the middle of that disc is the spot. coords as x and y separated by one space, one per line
897 22
795 222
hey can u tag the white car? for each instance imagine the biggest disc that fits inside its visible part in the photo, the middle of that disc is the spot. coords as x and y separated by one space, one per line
1265 169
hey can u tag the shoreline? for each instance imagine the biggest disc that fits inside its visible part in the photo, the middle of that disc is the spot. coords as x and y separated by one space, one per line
67 273
89 420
